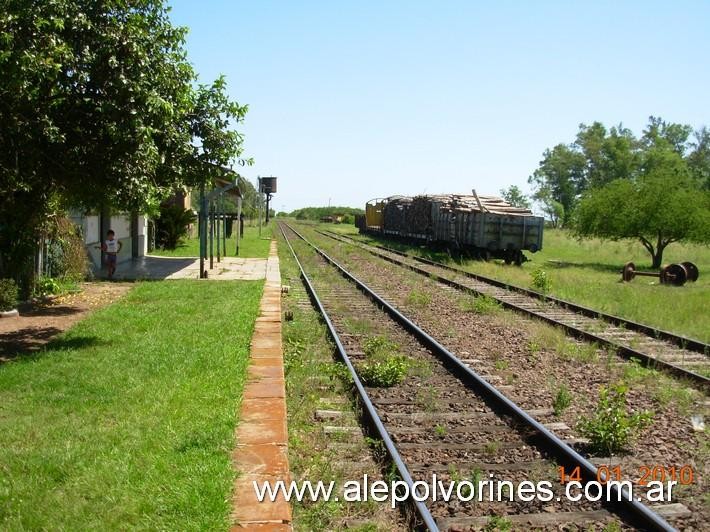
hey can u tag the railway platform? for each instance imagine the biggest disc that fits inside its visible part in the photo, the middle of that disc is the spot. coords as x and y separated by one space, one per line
261 453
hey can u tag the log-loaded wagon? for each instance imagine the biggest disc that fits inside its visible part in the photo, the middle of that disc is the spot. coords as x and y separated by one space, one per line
485 226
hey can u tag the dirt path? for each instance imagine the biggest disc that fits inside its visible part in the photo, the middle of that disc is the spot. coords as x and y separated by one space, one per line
39 322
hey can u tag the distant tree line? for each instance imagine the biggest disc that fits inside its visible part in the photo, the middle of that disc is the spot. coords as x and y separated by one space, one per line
316 213
611 184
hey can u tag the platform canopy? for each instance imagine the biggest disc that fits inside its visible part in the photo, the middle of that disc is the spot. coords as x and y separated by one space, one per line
213 219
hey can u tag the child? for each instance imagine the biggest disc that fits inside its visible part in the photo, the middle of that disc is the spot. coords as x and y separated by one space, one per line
111 247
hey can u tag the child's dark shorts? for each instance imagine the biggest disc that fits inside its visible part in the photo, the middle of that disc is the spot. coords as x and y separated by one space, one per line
110 259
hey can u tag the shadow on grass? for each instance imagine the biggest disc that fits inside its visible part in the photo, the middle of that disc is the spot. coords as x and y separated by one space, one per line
596 266
35 342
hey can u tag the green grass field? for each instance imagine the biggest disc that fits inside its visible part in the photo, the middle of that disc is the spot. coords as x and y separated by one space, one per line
250 246
588 272
127 420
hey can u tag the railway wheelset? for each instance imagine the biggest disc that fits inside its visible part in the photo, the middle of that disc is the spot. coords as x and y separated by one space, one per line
673 274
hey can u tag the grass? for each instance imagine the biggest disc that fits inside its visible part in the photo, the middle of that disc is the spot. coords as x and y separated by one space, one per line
313 379
418 298
127 420
481 304
562 400
588 272
250 246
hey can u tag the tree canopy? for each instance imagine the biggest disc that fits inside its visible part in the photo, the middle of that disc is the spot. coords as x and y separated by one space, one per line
515 197
657 209
600 155
99 109
610 184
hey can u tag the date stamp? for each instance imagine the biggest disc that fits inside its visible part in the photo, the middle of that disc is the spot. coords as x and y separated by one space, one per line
683 475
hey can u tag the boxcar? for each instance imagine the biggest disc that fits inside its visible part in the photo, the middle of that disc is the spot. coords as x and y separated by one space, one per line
484 225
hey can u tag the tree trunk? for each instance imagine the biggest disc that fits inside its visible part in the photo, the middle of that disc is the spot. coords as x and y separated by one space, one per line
657 259
658 254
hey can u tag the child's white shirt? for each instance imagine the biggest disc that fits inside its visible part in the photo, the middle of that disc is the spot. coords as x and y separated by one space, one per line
112 246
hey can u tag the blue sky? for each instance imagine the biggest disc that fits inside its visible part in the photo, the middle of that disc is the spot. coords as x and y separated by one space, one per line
354 100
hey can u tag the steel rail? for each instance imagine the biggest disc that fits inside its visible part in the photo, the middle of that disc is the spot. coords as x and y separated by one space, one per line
374 418
622 350
627 505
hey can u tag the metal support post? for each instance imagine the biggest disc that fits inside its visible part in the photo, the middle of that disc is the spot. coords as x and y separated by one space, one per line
224 227
216 228
239 224
202 229
211 216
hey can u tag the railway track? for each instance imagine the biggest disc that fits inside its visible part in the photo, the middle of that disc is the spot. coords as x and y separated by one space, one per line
675 354
446 419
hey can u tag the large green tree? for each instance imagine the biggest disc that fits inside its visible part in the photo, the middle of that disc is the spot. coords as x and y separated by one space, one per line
657 208
98 109
599 156
557 180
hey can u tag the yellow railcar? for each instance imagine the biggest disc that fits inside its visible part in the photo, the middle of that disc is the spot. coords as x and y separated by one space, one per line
374 213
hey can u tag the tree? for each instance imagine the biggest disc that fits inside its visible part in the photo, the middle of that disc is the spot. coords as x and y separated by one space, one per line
515 197
98 111
551 208
599 156
557 181
699 158
171 227
659 208
211 116
658 132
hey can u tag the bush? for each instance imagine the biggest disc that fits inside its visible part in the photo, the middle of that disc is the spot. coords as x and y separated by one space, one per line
66 258
541 281
8 294
47 286
562 400
384 373
172 225
379 346
384 367
612 428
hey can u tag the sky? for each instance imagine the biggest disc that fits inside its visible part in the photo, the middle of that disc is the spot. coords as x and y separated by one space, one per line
353 100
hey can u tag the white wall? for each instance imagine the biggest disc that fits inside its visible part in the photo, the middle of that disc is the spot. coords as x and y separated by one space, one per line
121 225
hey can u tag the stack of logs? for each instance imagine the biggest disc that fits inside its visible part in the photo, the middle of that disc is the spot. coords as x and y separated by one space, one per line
413 215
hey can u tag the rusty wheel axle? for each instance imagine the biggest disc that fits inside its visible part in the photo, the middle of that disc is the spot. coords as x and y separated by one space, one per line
675 274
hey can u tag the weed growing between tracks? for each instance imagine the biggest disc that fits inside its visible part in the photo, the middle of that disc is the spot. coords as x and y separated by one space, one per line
127 420
612 428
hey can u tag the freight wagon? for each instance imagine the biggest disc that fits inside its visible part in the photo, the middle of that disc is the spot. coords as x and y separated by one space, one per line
486 226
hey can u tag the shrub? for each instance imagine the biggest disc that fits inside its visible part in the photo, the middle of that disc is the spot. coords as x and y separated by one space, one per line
47 286
540 280
612 428
376 346
8 294
172 225
384 373
65 253
562 400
